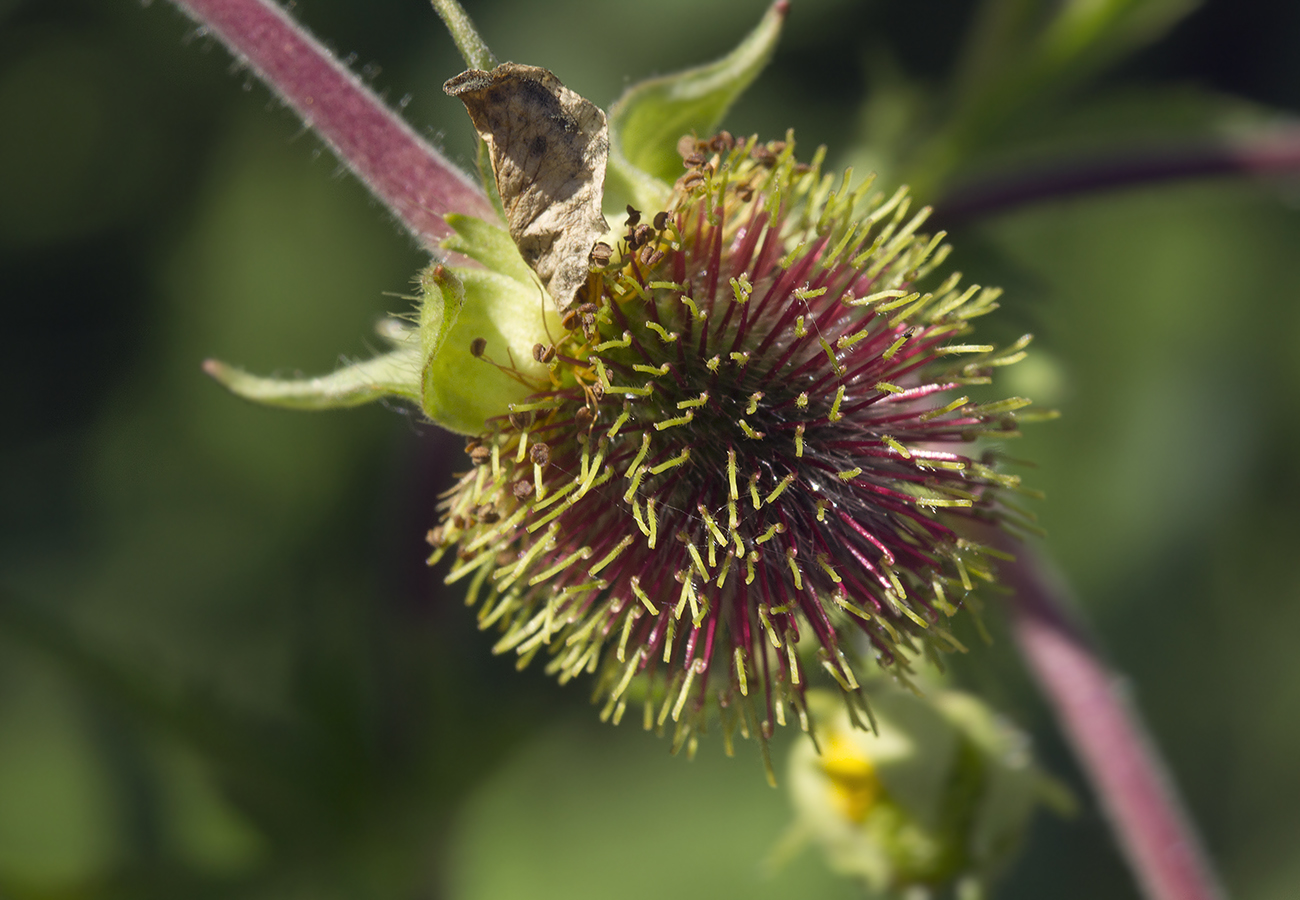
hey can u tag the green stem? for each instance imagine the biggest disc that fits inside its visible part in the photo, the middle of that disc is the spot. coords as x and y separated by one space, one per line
472 48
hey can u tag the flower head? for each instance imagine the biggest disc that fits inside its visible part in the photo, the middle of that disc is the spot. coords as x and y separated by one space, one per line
744 453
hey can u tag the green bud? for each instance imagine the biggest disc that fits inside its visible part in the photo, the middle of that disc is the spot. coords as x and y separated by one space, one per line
936 796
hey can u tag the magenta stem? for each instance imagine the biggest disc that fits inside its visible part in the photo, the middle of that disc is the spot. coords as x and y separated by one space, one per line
1094 711
404 171
1274 153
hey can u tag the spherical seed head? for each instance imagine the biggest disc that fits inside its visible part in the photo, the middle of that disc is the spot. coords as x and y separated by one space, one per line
751 462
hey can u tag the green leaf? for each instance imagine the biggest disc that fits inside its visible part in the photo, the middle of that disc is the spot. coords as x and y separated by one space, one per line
1018 50
1020 56
1090 34
648 120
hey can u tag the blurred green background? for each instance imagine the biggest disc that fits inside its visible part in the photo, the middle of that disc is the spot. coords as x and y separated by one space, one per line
224 668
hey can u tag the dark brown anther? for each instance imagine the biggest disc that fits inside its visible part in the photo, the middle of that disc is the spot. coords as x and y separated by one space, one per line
477 346
597 391
480 455
472 445
587 316
521 488
584 415
691 180
661 221
722 142
487 514
651 257
600 254
431 276
540 453
695 160
521 420
570 320
539 352
644 234
633 216
458 522
802 169
744 192
549 354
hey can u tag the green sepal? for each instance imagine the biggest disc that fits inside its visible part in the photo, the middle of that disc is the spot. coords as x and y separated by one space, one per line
649 119
460 391
444 298
395 374
433 365
488 244
503 304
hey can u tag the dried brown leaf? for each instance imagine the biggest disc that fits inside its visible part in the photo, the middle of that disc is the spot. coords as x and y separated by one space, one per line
548 148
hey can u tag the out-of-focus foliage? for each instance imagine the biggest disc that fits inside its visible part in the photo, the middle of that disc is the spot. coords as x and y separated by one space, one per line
224 670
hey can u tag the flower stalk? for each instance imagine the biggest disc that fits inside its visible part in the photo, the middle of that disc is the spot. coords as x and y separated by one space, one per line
1105 730
1258 155
404 172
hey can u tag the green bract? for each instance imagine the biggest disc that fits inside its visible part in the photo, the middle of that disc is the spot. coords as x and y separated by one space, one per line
647 121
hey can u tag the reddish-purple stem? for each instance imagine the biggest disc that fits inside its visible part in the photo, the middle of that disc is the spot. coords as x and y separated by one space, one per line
404 171
1273 153
1103 727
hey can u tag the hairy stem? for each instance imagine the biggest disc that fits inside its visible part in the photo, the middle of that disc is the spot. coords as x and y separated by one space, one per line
1277 152
1091 704
416 182
472 49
